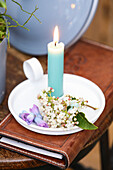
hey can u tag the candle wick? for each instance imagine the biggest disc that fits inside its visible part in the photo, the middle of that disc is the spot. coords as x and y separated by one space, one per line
55 43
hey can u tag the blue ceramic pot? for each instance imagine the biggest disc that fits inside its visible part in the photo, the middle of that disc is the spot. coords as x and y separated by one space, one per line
3 50
72 16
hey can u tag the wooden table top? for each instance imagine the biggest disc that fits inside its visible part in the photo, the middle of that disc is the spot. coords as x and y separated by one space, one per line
87 59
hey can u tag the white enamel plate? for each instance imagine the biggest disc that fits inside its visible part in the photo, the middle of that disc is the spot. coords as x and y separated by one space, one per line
25 94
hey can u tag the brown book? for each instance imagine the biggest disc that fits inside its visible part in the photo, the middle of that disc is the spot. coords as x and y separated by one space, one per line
57 150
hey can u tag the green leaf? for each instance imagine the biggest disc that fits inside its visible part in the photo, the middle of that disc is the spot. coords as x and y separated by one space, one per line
73 98
68 107
3 4
84 123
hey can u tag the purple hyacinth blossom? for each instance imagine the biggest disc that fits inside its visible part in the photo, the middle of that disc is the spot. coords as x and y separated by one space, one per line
35 111
23 115
27 117
40 122
33 116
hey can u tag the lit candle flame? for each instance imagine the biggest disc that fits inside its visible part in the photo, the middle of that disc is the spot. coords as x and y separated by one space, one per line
56 35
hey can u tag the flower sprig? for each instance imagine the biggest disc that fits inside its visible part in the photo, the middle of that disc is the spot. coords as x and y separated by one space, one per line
58 112
63 112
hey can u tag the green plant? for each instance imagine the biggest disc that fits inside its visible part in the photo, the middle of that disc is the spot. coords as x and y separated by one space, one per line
4 23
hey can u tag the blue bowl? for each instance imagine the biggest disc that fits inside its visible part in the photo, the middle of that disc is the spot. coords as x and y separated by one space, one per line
72 16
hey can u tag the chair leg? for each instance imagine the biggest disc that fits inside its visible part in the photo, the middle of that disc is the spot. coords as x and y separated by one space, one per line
105 152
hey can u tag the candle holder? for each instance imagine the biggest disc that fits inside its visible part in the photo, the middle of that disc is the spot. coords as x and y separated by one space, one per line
28 91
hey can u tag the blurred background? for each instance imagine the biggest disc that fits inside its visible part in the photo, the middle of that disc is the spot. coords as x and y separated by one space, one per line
101 28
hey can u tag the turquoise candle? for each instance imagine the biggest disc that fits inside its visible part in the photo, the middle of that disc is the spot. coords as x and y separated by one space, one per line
56 67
